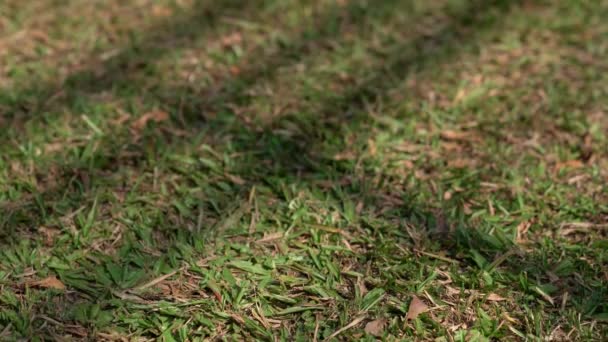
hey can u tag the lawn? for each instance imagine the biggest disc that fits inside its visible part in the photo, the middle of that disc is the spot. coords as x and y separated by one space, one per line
188 170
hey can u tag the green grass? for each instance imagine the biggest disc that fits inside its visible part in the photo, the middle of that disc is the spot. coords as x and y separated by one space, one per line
321 164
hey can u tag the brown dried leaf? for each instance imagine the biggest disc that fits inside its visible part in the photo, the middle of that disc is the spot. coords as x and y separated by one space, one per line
39 35
459 163
121 119
572 164
232 39
552 276
346 155
49 283
238 318
450 291
491 208
155 115
48 234
407 147
362 288
234 70
54 147
235 179
577 179
359 207
587 148
372 147
161 11
495 298
447 196
375 327
417 307
451 146
456 135
522 230
271 237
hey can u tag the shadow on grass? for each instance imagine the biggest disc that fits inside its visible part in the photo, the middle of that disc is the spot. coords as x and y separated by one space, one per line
190 107
277 158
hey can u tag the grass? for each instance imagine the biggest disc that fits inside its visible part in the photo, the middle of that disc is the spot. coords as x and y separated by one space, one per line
303 170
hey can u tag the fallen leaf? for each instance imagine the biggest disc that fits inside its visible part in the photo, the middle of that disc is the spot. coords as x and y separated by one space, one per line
54 147
408 148
270 237
347 244
232 39
238 319
568 228
361 285
522 229
572 164
491 208
450 291
577 179
372 147
346 155
495 298
478 79
235 179
234 70
49 283
456 136
155 115
121 119
39 35
375 327
165 289
552 276
48 234
587 148
359 207
451 146
161 11
417 307
459 163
